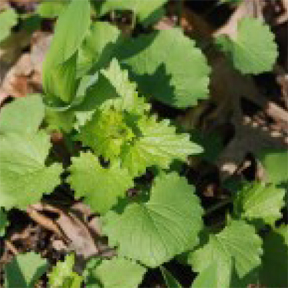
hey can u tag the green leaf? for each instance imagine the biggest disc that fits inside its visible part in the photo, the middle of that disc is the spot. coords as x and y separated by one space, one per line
100 186
59 70
49 9
119 272
113 89
154 232
275 266
61 81
24 270
106 133
65 45
24 177
8 19
254 49
23 115
207 278
63 276
275 163
126 91
141 8
260 202
98 47
3 222
60 120
158 145
237 243
178 76
170 280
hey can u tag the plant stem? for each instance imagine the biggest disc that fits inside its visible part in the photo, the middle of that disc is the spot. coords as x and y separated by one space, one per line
217 206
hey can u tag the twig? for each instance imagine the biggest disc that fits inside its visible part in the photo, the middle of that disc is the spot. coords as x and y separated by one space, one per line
10 246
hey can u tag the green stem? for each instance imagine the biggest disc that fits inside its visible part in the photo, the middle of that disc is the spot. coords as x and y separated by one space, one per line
217 206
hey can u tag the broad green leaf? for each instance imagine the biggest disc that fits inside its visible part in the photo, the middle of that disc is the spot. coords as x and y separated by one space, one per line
59 70
170 280
3 222
158 145
254 50
142 8
275 163
23 115
101 187
24 270
275 265
238 243
168 66
8 19
119 272
154 232
260 203
64 44
207 278
24 177
51 9
63 276
98 47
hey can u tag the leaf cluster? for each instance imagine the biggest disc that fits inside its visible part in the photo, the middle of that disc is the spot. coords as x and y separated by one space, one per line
98 89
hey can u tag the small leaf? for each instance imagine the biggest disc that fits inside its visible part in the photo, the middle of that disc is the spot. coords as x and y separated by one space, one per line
170 280
23 115
24 177
254 49
65 45
154 232
24 270
8 19
3 222
98 47
275 266
63 276
275 163
59 70
119 272
158 145
237 243
178 76
260 202
100 186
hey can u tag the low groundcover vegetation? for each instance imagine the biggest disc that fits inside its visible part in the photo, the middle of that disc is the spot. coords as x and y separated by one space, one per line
102 134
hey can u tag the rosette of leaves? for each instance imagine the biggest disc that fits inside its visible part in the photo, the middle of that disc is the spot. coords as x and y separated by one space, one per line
122 128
